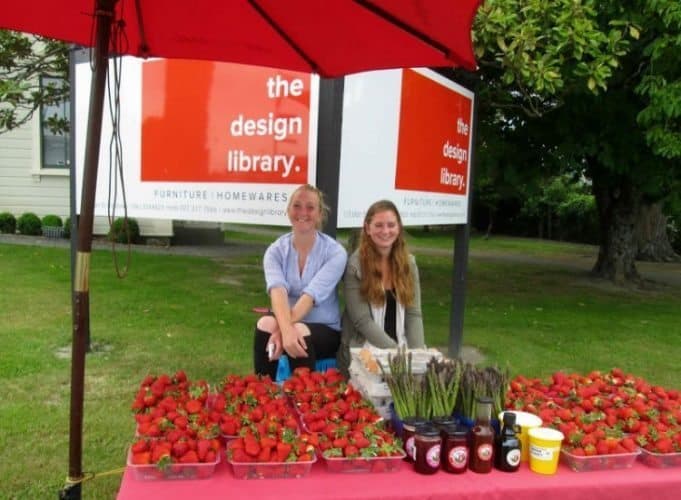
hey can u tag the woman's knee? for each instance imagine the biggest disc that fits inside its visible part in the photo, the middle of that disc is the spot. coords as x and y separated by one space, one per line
267 324
302 328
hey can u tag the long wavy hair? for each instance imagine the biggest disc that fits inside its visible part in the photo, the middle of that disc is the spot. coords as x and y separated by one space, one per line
323 207
371 286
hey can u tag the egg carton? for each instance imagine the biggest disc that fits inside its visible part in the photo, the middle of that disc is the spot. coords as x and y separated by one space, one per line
376 357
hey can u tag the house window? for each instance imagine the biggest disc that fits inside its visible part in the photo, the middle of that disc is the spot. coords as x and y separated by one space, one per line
54 146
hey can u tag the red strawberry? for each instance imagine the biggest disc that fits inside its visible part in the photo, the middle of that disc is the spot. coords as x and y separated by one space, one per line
361 442
193 406
189 458
238 455
350 451
140 446
180 448
283 451
628 444
142 458
663 445
340 442
202 448
251 446
602 447
265 454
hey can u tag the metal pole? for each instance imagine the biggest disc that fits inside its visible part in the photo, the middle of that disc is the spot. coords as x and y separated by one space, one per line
329 130
461 241
103 18
73 216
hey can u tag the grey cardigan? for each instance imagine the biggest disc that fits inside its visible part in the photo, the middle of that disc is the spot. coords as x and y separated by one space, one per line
358 326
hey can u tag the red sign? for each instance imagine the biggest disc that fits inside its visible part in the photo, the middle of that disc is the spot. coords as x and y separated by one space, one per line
434 136
218 122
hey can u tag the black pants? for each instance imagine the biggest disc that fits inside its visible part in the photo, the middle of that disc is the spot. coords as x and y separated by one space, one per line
323 342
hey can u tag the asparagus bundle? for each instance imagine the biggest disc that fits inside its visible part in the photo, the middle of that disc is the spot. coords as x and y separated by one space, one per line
443 377
496 385
482 382
404 386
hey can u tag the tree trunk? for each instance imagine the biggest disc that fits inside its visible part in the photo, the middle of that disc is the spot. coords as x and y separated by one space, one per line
617 203
652 240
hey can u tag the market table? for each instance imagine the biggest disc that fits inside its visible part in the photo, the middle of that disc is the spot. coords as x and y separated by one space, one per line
638 482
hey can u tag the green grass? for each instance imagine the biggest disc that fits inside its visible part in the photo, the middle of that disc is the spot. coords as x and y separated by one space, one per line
194 313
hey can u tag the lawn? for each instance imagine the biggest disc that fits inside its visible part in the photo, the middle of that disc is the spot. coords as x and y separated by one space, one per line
194 313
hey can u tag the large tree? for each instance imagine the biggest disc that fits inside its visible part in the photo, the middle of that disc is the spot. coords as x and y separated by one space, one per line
24 59
597 84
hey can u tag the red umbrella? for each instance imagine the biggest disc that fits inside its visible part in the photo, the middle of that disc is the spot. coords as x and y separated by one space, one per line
328 37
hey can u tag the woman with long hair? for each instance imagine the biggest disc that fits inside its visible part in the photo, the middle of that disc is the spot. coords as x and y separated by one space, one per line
382 290
302 270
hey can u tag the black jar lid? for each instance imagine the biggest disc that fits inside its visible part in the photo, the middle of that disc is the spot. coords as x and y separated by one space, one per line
428 431
456 430
413 422
509 418
441 422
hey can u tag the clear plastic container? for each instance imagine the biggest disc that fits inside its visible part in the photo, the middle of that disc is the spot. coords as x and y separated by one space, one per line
598 462
660 460
271 470
153 472
365 464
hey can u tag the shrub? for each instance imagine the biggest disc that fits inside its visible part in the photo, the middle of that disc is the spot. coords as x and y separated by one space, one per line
29 223
52 221
121 228
8 223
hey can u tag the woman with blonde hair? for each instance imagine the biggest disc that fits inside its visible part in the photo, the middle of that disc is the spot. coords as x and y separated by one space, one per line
382 290
302 270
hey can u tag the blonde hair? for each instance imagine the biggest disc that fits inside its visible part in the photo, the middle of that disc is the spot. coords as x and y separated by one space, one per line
371 286
323 207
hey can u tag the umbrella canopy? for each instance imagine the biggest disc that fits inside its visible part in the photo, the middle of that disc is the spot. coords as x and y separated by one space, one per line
328 37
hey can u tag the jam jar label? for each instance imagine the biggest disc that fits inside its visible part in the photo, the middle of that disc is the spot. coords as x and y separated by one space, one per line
485 452
458 457
513 458
433 456
411 448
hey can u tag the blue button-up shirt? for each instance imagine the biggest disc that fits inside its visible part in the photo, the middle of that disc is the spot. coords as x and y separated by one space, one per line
323 270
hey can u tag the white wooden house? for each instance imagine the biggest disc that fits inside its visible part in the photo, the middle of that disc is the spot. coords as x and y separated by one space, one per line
35 177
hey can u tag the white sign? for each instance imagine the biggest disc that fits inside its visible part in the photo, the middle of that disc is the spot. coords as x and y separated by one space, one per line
203 141
407 137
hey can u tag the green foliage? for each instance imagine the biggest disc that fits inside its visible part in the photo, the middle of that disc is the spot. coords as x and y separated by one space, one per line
8 223
660 84
52 221
29 223
541 49
23 60
124 230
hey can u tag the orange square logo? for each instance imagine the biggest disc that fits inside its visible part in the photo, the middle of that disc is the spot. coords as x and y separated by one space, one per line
434 136
218 122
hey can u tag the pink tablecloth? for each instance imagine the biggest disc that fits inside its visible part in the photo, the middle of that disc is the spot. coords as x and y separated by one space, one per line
639 482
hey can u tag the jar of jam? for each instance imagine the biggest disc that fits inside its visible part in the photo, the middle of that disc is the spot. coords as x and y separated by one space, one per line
427 443
409 425
482 438
454 455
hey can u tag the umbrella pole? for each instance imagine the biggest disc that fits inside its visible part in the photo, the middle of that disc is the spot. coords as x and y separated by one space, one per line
81 324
